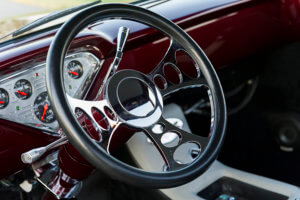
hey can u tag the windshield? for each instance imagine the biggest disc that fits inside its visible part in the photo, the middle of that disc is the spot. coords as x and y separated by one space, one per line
15 14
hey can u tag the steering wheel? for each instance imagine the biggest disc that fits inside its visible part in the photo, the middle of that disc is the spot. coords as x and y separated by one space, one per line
143 115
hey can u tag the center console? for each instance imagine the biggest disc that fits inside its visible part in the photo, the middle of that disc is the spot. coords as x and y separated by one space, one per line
224 183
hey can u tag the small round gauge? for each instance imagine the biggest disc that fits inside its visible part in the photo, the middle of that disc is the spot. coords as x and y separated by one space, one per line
42 108
4 98
23 89
75 69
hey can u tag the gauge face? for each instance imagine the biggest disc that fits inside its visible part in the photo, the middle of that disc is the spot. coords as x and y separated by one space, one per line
75 69
4 98
23 89
42 108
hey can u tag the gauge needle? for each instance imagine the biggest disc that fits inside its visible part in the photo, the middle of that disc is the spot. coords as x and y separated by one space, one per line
74 73
1 102
45 110
22 93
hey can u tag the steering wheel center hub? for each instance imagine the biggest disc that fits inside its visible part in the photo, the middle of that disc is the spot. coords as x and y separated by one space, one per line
135 98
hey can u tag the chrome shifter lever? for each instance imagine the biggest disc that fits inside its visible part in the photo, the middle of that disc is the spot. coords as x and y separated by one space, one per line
121 41
33 155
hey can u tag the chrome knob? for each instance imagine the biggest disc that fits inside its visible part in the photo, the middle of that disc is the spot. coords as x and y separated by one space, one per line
122 38
33 155
121 41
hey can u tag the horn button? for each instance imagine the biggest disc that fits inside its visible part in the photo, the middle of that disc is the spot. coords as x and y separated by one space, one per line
135 98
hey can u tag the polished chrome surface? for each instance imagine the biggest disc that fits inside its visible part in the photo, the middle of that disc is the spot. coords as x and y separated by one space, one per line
86 108
145 152
168 151
22 111
169 137
186 139
51 177
59 190
137 102
121 41
143 109
185 81
145 105
136 97
33 155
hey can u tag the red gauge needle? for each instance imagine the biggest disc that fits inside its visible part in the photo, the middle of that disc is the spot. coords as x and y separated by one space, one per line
22 93
45 109
1 102
74 73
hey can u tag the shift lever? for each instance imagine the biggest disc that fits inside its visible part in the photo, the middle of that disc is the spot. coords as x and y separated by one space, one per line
121 41
33 155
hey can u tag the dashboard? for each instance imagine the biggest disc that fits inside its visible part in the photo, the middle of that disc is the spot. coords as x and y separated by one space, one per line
219 27
24 97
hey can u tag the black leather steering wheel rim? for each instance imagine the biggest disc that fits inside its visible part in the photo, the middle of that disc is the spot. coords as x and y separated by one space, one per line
84 144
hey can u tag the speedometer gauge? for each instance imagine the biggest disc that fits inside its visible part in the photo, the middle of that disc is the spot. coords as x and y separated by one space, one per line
23 89
42 108
4 98
75 69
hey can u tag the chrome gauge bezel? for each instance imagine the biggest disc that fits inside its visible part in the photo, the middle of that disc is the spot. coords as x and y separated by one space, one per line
75 74
22 111
27 91
43 109
6 100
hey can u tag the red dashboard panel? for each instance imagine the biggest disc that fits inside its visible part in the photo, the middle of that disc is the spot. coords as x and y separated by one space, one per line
227 32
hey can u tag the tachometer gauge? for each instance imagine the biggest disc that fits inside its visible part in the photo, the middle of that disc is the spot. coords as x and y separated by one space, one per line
4 98
42 108
75 69
23 89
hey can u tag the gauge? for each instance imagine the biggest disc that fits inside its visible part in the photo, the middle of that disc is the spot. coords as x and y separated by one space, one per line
4 98
75 69
42 108
23 89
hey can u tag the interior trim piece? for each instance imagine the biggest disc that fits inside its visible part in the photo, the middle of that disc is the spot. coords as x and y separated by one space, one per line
217 170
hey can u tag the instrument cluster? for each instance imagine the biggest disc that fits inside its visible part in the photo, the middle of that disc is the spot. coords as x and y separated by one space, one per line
24 97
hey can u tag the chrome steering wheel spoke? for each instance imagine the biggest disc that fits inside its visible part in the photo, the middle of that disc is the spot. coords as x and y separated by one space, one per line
168 151
169 57
102 107
183 80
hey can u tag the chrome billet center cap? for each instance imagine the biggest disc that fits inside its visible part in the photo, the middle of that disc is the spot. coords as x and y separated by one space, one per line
134 98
